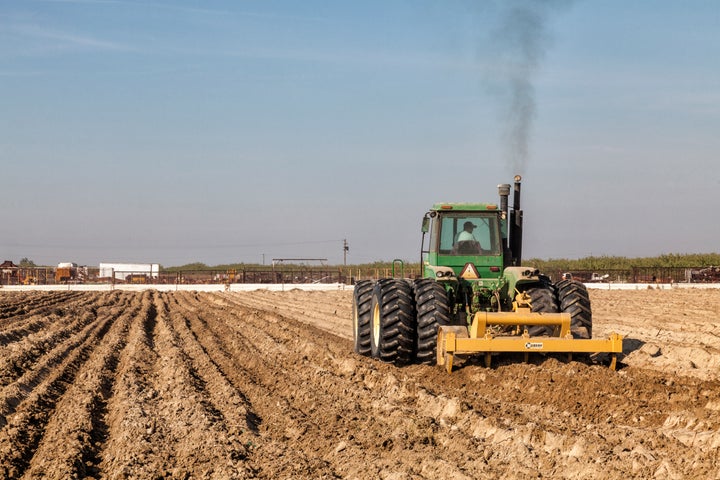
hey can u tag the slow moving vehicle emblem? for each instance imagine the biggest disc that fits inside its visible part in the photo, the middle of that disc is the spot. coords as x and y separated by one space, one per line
469 272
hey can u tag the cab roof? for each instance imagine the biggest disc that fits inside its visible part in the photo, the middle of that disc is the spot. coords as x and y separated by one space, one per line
464 207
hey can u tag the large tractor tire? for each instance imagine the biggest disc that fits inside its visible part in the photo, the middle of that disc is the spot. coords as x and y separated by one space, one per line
575 300
392 320
362 300
542 300
433 309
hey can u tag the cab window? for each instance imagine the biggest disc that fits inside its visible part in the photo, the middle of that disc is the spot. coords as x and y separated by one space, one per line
468 235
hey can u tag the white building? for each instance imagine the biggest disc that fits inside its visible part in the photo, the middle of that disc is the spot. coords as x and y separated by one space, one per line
122 270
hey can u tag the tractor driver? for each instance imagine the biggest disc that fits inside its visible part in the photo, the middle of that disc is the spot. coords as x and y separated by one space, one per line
466 243
467 233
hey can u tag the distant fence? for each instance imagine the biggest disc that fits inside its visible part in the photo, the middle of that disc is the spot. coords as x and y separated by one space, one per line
313 274
254 275
644 275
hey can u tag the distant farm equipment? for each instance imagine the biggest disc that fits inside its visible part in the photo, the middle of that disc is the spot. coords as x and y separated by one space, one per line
65 272
596 278
69 272
705 275
137 279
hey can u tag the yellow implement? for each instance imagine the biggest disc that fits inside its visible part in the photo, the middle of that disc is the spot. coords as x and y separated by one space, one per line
478 338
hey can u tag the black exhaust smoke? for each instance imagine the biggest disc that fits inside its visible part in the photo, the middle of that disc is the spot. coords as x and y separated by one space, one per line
521 41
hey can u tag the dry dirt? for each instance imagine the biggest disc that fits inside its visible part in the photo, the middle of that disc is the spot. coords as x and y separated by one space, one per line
265 385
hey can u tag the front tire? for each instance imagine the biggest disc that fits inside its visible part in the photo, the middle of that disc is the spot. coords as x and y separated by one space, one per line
392 320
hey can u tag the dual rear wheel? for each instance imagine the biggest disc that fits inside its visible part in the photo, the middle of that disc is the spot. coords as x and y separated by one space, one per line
397 320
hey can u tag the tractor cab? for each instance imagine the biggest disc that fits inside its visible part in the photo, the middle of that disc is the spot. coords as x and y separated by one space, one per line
473 241
462 234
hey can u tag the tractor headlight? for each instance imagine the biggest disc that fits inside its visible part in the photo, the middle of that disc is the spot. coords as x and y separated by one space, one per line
444 273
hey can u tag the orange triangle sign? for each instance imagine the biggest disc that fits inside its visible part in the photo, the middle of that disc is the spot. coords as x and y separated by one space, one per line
469 271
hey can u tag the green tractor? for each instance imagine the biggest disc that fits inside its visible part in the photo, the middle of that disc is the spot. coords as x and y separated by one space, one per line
474 296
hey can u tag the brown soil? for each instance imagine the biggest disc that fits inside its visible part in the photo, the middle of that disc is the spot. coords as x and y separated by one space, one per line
265 385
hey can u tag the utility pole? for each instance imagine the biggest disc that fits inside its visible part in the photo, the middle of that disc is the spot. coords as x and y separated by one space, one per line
346 248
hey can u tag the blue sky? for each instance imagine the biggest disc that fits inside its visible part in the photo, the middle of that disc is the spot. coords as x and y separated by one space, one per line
237 131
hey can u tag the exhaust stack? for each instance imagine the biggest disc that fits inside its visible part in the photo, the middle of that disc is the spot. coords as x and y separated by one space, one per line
504 192
515 226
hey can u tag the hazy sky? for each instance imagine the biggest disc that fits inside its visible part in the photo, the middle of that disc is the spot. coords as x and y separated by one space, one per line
232 131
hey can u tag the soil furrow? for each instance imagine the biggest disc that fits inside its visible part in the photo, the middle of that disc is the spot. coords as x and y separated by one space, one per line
18 357
214 430
133 446
76 431
40 303
263 375
36 320
206 345
177 429
265 385
27 404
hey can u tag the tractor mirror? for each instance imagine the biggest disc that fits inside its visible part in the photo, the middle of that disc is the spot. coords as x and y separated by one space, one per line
425 225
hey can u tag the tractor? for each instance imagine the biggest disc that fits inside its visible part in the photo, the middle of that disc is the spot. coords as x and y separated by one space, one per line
474 296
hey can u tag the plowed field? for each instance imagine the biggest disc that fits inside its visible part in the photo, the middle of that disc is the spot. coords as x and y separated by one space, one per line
265 385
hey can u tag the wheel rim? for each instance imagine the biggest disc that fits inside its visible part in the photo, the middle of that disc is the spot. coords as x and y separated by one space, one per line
376 324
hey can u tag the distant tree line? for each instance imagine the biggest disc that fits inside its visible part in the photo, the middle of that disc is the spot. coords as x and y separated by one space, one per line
671 260
26 263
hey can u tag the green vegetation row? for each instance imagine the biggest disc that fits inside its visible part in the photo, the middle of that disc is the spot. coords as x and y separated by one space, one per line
671 260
